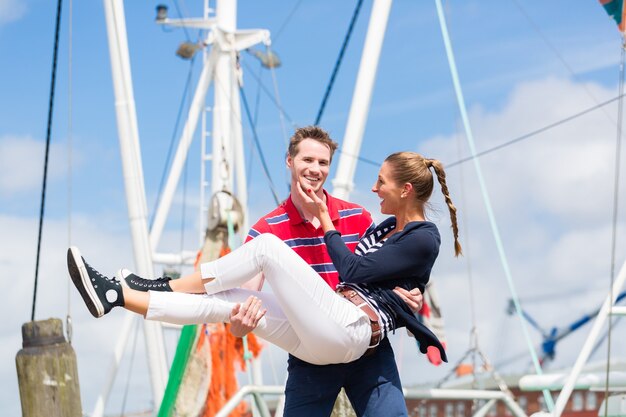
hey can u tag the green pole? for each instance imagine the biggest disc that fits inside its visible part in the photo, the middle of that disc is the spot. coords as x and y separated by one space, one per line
185 344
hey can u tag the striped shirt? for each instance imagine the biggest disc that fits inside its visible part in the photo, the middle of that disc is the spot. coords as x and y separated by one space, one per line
351 220
370 244
381 263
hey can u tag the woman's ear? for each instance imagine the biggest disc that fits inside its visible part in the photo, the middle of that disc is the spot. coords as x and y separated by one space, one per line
406 189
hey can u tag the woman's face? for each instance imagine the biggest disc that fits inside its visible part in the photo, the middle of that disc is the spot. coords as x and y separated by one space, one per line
387 190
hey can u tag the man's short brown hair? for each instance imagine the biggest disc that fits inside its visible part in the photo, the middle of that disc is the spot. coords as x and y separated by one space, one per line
311 132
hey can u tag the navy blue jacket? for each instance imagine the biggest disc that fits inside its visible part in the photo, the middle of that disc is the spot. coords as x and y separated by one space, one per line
404 260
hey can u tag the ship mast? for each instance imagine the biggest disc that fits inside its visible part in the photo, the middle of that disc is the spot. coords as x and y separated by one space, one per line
228 168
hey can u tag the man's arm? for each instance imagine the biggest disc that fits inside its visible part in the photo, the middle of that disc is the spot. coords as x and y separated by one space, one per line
413 299
245 317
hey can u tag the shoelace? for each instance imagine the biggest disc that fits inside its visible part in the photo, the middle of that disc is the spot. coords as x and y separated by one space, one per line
144 282
112 280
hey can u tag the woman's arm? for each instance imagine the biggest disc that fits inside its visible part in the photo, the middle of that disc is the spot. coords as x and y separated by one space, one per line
410 255
314 206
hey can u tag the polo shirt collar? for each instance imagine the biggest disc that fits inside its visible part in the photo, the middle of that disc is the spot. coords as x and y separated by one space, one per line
294 215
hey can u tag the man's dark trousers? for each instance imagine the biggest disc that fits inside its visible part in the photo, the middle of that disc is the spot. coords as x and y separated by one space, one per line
372 384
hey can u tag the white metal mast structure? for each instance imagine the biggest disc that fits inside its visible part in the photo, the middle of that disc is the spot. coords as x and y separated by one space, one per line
355 127
220 66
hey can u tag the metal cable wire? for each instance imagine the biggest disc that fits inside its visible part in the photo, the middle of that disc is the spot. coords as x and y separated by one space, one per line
172 140
258 146
535 132
47 152
287 21
344 46
618 150
486 199
269 94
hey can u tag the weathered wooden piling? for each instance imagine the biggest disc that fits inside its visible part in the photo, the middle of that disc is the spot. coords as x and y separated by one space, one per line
47 372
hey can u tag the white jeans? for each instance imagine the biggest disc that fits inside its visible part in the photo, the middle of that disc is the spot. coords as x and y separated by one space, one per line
304 316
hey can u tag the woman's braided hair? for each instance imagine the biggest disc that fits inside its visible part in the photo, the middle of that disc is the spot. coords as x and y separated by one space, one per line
413 168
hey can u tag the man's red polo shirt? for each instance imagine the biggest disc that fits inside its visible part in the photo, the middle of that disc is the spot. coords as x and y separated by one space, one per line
351 220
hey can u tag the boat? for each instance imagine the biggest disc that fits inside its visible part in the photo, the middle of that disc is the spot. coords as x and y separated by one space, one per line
507 202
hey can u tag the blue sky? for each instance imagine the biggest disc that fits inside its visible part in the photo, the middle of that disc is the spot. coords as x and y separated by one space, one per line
523 66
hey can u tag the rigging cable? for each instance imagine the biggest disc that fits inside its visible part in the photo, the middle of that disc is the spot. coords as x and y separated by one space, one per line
468 263
512 141
487 202
474 348
130 368
256 118
253 128
180 15
558 55
258 146
68 317
276 93
331 83
287 20
270 96
533 133
618 148
176 125
47 152
171 148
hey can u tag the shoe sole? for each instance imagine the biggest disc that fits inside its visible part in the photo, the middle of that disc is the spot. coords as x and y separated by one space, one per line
120 277
80 277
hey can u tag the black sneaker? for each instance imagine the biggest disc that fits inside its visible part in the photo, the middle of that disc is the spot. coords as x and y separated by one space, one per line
100 293
135 282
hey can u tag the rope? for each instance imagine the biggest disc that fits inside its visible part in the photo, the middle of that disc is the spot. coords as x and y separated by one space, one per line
618 147
276 93
182 214
258 146
45 167
173 138
555 51
344 46
483 188
466 247
269 95
130 368
180 15
256 114
510 142
287 20
536 132
68 317
254 134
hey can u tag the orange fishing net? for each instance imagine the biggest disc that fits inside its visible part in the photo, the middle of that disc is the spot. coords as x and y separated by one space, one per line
226 352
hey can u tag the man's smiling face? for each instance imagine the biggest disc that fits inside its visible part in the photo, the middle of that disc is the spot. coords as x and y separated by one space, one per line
310 166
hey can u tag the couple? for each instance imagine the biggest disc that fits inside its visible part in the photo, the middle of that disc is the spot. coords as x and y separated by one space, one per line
335 333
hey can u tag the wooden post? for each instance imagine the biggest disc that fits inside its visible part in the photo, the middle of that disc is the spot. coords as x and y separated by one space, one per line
46 372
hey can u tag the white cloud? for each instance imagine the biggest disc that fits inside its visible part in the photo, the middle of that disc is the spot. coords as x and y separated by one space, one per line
93 341
22 161
12 10
552 199
554 221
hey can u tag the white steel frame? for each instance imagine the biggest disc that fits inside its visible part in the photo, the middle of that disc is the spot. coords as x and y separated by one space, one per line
219 67
227 151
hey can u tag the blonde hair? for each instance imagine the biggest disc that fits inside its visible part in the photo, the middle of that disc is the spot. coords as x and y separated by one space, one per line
413 168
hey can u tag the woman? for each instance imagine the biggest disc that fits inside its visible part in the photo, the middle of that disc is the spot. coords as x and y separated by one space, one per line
303 315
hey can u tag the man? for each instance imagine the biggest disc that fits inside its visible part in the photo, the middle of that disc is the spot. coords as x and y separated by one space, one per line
372 383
